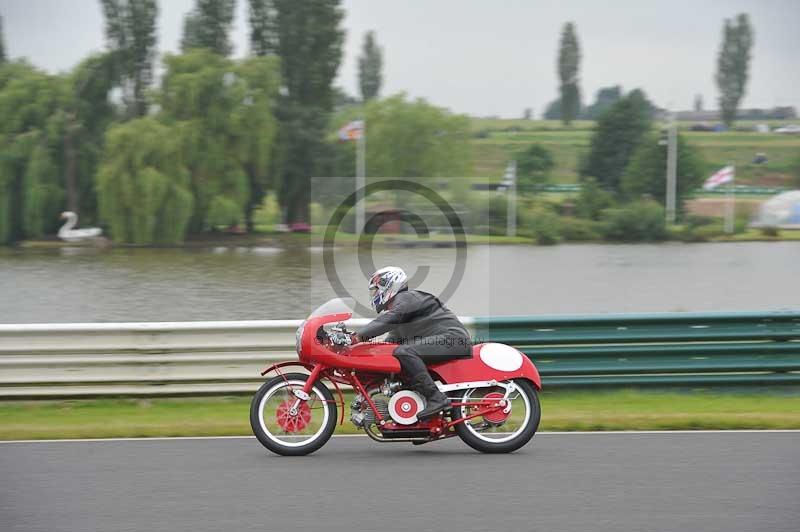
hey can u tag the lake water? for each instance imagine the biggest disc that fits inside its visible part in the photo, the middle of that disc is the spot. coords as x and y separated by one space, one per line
73 284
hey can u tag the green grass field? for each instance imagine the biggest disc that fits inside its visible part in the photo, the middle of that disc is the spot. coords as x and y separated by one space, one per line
218 416
496 141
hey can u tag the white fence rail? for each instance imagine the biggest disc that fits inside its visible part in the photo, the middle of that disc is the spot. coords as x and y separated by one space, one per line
139 359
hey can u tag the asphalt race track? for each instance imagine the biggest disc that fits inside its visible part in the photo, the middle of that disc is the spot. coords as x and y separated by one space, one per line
734 481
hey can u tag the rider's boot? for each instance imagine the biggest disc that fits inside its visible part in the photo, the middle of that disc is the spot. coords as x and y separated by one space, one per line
435 401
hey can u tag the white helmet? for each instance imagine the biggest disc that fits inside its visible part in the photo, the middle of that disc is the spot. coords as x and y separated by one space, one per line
384 285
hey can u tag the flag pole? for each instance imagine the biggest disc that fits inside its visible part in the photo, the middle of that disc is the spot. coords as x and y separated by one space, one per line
361 172
672 166
511 211
731 206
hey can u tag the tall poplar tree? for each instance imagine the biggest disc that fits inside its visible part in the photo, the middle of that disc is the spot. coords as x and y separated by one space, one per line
569 58
208 25
370 64
733 63
308 37
131 36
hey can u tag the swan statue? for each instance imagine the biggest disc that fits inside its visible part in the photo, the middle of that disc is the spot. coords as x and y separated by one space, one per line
69 234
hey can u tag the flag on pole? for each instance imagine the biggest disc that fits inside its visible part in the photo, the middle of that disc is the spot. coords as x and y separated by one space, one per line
352 130
724 175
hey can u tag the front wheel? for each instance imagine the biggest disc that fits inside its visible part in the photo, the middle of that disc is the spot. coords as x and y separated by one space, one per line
288 425
499 431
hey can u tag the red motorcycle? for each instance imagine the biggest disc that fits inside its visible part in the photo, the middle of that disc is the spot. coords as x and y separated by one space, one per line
494 402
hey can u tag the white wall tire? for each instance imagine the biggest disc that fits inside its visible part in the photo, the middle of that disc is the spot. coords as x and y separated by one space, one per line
501 439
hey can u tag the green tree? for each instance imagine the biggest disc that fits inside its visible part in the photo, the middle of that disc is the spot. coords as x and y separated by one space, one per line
553 110
190 38
645 175
263 33
409 139
50 141
208 25
309 43
618 134
222 113
733 63
534 166
31 190
370 64
2 42
84 114
142 185
569 58
604 99
131 35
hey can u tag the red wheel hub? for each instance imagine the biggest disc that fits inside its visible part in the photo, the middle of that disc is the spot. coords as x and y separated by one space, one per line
497 416
296 422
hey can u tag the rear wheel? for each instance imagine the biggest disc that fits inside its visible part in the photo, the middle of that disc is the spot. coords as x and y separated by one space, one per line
285 423
499 431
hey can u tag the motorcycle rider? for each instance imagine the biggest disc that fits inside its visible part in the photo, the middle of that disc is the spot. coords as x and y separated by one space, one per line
426 330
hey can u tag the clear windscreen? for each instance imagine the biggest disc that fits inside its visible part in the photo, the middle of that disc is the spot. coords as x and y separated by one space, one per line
334 306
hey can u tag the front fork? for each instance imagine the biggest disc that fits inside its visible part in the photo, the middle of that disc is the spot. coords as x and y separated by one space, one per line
302 394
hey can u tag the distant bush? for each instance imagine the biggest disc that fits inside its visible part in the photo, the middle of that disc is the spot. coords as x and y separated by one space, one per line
592 200
544 225
639 221
481 134
703 233
268 214
580 230
770 231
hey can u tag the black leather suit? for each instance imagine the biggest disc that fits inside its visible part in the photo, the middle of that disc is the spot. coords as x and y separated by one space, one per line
426 330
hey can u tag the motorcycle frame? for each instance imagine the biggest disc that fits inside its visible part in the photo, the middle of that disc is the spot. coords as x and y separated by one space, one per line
338 376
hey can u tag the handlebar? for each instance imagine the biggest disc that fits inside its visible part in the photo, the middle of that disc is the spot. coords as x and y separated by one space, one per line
340 336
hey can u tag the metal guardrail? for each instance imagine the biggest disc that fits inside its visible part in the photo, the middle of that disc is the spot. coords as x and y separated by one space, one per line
42 360
655 349
195 358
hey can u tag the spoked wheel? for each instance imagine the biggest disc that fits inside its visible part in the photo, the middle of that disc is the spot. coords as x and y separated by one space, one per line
288 425
499 431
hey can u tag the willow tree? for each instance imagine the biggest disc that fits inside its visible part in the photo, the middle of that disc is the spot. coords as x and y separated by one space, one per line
222 113
142 186
31 191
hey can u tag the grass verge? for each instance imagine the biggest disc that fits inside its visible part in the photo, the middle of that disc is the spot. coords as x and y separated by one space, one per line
221 416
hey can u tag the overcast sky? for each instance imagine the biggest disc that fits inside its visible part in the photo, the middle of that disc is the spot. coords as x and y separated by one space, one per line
485 57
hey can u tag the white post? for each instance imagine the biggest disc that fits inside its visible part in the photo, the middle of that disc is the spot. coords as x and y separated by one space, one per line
672 168
361 173
730 213
511 218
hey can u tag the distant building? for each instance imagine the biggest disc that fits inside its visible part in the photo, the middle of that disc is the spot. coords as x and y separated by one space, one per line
776 113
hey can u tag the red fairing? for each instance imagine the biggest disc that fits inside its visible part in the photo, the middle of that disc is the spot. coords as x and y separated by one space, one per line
489 361
367 356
